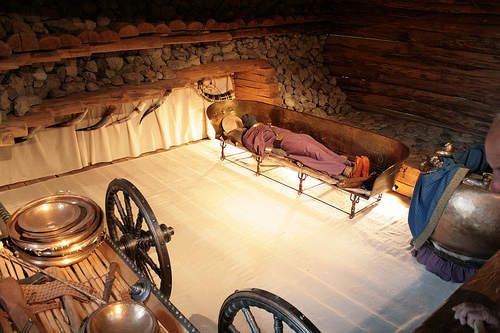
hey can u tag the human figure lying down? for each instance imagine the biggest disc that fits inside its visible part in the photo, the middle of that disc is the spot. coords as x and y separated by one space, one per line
266 139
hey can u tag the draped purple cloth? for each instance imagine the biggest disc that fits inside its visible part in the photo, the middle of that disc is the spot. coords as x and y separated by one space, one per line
446 270
299 147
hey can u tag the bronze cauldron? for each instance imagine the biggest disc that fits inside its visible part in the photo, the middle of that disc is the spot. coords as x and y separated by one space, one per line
470 224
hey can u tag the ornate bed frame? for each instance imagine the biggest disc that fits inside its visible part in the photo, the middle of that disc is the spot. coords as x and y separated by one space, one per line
386 155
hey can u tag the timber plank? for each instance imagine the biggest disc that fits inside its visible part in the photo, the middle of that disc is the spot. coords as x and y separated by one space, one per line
483 79
430 38
439 115
485 31
132 43
16 125
221 68
201 38
250 97
412 117
426 54
461 105
257 77
271 87
6 137
9 63
464 7
265 91
33 119
466 90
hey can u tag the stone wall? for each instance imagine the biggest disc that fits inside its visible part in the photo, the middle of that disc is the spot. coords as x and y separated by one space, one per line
304 83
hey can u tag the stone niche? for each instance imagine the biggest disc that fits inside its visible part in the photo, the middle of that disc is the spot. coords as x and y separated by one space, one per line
304 84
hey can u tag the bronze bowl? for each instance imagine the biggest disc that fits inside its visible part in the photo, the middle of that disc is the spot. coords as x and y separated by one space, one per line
122 316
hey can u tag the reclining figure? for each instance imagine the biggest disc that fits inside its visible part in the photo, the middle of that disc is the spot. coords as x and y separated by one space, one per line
266 139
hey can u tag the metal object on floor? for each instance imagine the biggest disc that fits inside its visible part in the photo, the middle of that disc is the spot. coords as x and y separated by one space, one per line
56 230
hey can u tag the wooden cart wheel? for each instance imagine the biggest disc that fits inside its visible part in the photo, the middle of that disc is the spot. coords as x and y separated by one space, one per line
268 303
127 216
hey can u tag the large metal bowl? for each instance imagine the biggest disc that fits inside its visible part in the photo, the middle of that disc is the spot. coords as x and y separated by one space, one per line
56 229
122 316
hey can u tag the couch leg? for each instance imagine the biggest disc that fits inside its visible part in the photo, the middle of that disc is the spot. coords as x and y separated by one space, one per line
302 177
222 145
354 201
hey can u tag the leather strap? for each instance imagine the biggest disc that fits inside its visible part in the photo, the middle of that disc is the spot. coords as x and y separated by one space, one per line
39 293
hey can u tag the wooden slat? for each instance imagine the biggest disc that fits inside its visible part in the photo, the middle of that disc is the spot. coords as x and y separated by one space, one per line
419 53
15 125
263 89
373 18
6 138
132 43
441 116
202 38
430 38
458 104
466 90
246 96
476 79
251 76
458 7
394 112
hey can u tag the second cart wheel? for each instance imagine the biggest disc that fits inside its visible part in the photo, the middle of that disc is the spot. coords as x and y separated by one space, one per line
236 311
133 228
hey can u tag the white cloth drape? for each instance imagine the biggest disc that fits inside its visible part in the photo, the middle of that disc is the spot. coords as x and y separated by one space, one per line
52 151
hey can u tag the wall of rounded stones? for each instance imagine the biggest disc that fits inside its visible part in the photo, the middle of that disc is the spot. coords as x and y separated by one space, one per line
305 84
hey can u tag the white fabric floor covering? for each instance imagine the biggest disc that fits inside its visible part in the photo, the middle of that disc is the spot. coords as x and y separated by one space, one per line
234 230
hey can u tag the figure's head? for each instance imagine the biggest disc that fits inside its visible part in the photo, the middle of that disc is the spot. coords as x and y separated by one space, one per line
492 147
249 120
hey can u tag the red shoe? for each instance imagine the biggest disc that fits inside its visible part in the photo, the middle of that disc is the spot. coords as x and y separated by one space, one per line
356 171
366 166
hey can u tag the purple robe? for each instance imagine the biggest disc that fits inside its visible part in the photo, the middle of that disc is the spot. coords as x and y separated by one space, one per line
300 147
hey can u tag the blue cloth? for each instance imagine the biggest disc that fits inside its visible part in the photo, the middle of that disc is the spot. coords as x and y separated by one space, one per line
432 191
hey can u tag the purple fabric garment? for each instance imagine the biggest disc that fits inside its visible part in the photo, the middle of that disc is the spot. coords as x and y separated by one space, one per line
300 147
446 270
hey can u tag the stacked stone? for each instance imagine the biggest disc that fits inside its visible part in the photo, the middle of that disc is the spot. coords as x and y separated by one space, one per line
304 82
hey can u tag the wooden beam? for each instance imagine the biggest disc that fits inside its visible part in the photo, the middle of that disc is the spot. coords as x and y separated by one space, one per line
201 38
6 137
133 43
16 125
221 68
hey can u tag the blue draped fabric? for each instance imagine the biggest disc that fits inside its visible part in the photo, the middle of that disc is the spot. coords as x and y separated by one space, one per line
432 191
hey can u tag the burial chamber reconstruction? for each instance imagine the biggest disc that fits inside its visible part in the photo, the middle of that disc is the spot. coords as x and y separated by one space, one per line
386 155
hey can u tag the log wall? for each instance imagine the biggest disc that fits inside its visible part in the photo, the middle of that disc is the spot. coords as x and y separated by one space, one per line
435 62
